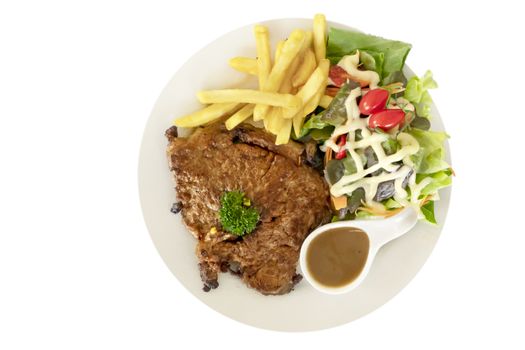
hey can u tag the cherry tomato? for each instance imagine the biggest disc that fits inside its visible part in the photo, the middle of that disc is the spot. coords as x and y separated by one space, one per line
373 101
342 153
386 119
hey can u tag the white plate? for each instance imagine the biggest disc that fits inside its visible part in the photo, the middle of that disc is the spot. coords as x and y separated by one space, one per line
303 309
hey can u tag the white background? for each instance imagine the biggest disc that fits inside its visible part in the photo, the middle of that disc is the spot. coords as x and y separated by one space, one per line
77 267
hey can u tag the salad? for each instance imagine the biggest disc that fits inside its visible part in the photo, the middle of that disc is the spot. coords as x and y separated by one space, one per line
344 92
379 152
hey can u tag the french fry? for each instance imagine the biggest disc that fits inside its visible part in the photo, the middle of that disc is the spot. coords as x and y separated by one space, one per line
312 104
268 119
278 49
264 60
320 37
205 115
286 86
325 101
249 96
306 68
276 114
316 80
283 135
290 49
244 65
308 39
274 120
297 123
240 116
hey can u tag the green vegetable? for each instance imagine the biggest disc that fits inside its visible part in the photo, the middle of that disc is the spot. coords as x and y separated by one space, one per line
431 155
440 180
315 127
335 114
369 60
334 170
391 203
372 60
349 165
355 200
420 123
417 93
343 42
322 134
390 146
428 211
235 214
396 77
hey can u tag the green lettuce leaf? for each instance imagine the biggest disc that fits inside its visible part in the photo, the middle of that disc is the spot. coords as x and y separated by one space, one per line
417 93
370 60
440 180
335 114
431 155
316 128
428 212
343 42
391 203
395 77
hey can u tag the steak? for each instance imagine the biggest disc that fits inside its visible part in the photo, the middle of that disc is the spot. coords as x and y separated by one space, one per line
291 198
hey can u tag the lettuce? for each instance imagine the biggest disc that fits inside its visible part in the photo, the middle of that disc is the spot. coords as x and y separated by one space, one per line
372 60
389 55
391 203
417 93
316 128
428 212
431 155
440 180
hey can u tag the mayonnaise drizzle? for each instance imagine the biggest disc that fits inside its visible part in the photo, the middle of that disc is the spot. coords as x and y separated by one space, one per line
350 62
348 183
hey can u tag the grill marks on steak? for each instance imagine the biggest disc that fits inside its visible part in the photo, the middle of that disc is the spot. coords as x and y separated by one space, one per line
292 200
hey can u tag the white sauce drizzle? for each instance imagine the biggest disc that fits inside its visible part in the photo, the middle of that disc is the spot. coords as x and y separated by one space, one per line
348 183
350 62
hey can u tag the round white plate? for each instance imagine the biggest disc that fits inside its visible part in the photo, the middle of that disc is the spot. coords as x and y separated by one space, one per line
303 309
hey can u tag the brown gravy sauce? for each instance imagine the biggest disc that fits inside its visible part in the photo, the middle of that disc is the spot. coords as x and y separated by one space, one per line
336 257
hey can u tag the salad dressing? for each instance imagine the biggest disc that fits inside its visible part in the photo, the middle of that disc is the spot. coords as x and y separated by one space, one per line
348 183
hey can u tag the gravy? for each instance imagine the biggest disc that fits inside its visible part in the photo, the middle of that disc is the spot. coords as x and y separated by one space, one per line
336 257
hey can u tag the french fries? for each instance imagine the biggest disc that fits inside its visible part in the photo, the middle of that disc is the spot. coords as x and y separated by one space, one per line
264 63
320 37
206 115
244 65
325 101
240 116
249 96
290 49
305 69
289 90
283 135
312 104
278 49
315 82
286 86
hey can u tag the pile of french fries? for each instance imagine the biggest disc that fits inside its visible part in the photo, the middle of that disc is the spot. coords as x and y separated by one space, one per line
291 85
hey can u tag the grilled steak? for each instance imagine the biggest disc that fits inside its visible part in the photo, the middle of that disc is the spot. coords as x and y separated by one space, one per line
292 199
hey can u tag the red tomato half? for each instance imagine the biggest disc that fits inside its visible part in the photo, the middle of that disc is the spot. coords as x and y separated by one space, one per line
386 119
373 101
